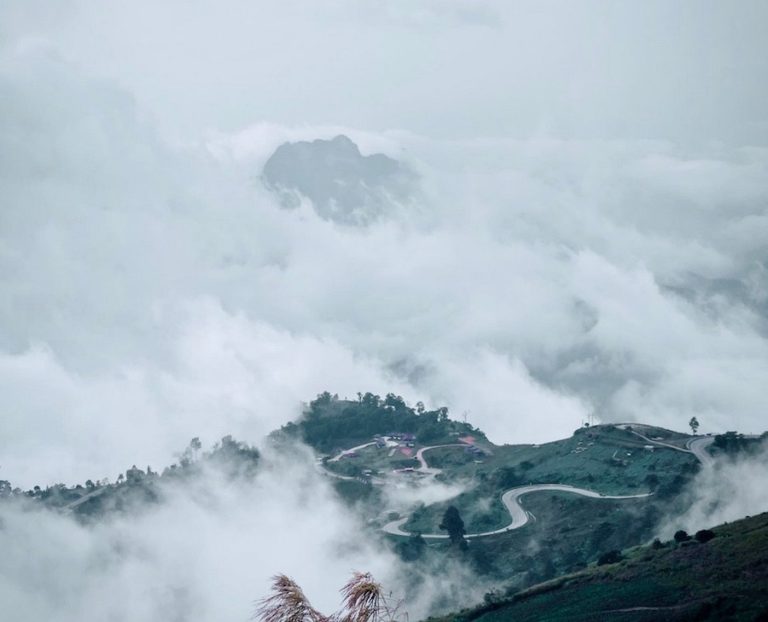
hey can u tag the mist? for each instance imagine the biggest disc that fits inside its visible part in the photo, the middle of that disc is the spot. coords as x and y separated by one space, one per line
586 238
729 491
204 552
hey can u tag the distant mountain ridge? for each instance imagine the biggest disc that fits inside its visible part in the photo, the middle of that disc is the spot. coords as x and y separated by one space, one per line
342 184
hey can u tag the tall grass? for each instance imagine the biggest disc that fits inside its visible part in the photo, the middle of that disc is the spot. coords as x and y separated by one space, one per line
363 600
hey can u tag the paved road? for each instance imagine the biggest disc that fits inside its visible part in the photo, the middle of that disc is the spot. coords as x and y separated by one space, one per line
511 501
86 497
346 452
698 447
424 467
631 427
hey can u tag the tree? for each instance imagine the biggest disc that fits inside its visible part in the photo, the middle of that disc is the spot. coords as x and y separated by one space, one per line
363 601
611 557
507 477
371 400
704 535
681 536
731 442
652 481
191 452
411 549
454 525
694 423
322 399
395 401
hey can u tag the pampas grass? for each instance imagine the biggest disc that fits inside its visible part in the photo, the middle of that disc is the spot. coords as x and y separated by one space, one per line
363 601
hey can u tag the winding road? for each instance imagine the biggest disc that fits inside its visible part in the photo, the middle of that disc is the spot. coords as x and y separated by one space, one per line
86 497
353 450
511 498
697 446
511 501
424 467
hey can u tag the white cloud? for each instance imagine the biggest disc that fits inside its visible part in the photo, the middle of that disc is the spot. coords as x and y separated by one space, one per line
535 277
152 290
731 490
207 552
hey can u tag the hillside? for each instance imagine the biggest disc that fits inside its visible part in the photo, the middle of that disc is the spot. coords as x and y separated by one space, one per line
138 488
522 514
725 578
381 455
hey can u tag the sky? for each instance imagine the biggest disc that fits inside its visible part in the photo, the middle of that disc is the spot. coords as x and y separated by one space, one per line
587 239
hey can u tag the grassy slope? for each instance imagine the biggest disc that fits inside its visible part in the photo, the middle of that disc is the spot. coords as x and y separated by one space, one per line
569 531
724 579
584 460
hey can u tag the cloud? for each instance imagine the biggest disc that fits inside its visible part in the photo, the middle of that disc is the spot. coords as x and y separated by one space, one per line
559 263
537 282
206 552
444 69
223 373
731 490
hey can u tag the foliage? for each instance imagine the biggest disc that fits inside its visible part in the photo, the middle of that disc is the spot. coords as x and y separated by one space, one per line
6 489
724 580
694 424
704 535
287 604
611 557
411 549
507 477
330 423
136 486
454 525
363 600
733 443
681 536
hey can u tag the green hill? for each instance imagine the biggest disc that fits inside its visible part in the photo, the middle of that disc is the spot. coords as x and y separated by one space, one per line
565 533
381 454
725 578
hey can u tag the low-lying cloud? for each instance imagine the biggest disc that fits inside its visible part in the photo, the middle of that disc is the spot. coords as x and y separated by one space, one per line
205 552
732 489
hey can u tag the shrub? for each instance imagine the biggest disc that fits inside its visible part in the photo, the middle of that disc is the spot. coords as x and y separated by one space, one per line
652 481
611 557
704 535
681 536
